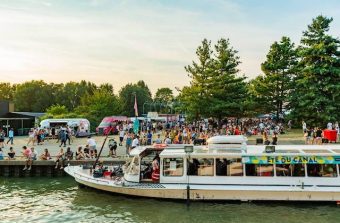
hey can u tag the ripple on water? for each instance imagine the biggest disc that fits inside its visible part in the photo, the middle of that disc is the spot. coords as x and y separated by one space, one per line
60 200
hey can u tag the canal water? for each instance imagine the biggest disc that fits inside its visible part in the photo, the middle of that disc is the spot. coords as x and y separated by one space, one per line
61 200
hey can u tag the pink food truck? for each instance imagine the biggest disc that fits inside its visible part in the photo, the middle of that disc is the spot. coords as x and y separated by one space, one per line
104 126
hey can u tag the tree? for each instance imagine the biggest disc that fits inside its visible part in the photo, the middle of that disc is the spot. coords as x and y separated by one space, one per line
98 105
34 96
71 93
228 90
195 98
127 97
316 94
273 88
164 98
6 91
215 89
56 110
164 95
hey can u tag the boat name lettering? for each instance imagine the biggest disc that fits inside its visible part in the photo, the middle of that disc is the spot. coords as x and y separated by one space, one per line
291 159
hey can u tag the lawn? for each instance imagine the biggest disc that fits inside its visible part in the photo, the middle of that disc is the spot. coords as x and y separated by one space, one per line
294 136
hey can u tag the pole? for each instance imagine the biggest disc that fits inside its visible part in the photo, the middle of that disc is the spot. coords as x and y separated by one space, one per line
101 149
188 186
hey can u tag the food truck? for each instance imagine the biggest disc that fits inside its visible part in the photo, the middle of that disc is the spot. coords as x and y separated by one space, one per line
108 122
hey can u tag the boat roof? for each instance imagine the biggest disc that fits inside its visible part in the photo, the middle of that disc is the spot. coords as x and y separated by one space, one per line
306 150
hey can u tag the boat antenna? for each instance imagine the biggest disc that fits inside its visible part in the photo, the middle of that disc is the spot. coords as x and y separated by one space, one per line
101 149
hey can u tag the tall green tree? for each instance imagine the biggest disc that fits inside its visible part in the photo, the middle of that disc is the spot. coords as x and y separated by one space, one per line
215 89
316 93
195 98
272 90
228 90
127 97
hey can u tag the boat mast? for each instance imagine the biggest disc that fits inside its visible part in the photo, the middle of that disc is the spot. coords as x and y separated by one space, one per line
101 149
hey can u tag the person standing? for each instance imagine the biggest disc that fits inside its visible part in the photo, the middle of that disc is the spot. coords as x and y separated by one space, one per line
121 136
135 142
128 142
329 126
10 136
274 138
91 143
31 136
304 126
63 138
149 138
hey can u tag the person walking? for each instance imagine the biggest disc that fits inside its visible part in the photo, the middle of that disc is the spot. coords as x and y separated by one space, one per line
10 136
121 136
63 138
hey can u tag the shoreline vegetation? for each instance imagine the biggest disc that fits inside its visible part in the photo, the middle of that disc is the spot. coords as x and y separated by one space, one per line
298 81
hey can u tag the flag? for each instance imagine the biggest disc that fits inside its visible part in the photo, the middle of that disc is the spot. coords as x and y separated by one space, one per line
136 107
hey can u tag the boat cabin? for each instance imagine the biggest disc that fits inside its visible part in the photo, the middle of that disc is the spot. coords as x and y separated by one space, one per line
228 160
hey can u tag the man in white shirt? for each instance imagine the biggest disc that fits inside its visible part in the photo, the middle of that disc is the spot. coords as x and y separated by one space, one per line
92 144
135 142
329 126
121 136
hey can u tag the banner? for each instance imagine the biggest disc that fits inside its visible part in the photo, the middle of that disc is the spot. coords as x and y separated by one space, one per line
291 159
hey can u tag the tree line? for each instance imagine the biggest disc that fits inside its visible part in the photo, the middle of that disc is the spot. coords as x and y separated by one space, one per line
82 99
302 79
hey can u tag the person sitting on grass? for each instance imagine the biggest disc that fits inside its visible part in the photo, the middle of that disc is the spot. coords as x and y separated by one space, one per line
46 155
60 159
11 154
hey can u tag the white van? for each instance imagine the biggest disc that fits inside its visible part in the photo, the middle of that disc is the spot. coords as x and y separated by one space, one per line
80 126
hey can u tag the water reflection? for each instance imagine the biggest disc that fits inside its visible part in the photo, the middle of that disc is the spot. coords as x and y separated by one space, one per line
60 199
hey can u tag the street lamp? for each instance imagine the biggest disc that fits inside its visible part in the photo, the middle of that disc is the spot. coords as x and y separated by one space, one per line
188 150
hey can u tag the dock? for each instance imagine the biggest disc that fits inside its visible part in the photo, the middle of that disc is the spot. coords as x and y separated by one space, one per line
46 168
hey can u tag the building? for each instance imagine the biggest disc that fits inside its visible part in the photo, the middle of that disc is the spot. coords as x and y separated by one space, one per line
21 122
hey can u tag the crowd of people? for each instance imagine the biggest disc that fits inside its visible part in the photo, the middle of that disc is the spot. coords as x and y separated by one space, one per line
154 133
315 135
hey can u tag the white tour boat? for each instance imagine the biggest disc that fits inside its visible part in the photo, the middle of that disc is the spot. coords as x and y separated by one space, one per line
225 169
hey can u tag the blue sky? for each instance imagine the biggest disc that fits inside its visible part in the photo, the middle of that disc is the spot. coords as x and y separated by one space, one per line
125 41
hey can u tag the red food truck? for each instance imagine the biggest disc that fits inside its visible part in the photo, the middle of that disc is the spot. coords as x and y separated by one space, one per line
107 122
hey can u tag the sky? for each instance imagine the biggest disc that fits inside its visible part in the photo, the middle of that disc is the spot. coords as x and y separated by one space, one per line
121 42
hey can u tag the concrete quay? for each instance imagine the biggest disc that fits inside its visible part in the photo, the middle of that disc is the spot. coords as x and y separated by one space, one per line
14 168
40 168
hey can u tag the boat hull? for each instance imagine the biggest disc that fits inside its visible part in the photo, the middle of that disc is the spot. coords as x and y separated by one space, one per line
209 192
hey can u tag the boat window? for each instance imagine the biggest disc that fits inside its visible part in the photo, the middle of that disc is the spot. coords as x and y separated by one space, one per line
172 167
221 167
290 170
229 166
321 170
201 167
260 170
